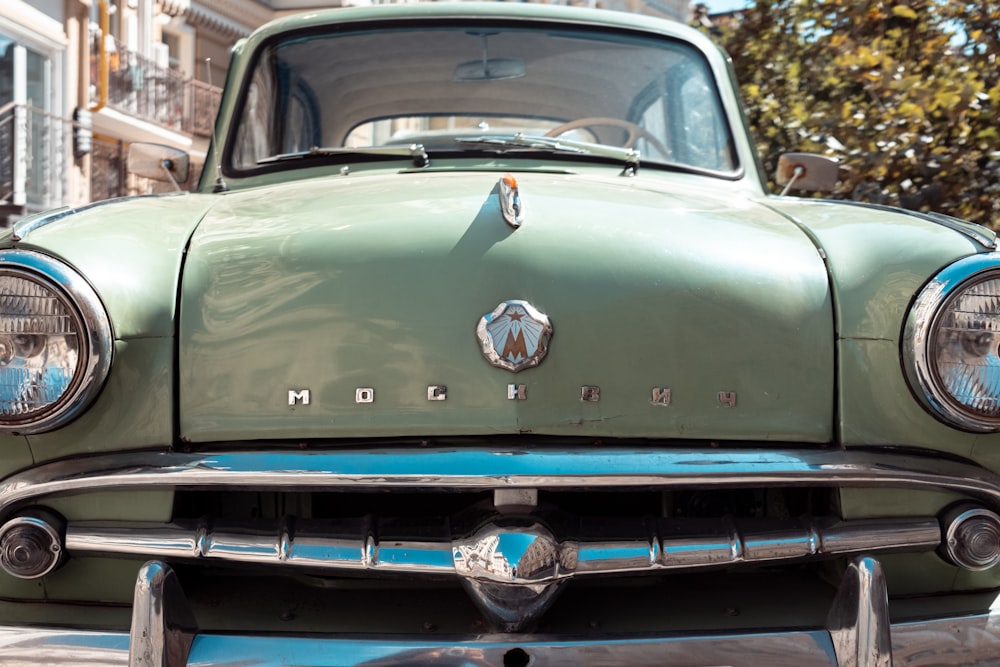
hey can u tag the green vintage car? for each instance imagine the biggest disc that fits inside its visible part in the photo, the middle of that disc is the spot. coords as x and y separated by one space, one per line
481 342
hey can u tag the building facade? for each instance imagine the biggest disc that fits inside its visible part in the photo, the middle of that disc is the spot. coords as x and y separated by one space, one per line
80 80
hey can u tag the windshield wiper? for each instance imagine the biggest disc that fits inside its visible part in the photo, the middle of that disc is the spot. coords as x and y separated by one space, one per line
521 140
414 151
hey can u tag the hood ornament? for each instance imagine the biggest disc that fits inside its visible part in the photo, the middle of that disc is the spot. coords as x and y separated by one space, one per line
514 336
511 206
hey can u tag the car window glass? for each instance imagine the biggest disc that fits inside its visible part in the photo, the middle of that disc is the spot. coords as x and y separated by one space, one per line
434 85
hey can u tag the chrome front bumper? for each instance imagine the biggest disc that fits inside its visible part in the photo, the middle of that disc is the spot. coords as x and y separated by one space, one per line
857 631
857 634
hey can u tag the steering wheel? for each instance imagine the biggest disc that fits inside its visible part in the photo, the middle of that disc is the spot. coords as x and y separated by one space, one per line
634 131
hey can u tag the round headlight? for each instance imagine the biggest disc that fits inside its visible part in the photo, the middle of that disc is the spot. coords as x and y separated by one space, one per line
952 344
55 343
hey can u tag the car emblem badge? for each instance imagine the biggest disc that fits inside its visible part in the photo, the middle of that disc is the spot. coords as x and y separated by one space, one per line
514 336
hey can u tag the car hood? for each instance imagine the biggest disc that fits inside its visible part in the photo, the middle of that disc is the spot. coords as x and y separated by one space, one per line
333 308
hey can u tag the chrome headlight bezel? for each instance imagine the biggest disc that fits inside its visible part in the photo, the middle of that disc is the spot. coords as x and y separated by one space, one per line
920 340
96 338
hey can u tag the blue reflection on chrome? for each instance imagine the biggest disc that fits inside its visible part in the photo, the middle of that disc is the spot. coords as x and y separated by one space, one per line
593 554
508 463
438 557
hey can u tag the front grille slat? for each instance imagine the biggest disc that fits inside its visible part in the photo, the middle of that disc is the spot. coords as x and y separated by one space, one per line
347 545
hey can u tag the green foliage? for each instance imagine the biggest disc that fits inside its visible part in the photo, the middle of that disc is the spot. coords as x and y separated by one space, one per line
905 94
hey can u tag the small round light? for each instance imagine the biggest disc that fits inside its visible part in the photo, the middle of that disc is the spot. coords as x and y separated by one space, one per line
55 342
952 344
972 537
30 546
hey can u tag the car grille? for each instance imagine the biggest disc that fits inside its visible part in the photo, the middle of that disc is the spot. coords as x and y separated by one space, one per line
510 527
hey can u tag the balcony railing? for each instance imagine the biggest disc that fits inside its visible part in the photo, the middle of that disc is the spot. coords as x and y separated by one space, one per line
8 127
137 86
35 163
32 159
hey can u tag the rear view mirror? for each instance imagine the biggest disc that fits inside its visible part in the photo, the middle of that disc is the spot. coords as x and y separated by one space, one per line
807 171
159 162
493 69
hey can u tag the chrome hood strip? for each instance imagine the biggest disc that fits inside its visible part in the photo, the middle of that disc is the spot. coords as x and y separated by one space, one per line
650 547
27 225
983 236
497 468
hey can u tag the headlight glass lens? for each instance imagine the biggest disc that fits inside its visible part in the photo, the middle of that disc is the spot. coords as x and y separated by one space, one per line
40 343
952 344
55 343
966 357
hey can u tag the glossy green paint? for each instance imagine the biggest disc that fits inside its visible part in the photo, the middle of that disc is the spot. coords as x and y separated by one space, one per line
67 615
133 411
131 505
16 454
878 262
130 251
922 573
379 281
109 580
879 408
104 579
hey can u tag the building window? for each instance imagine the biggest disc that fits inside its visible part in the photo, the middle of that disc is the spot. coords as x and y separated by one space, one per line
31 135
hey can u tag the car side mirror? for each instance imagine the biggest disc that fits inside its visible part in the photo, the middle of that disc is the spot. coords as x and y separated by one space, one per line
159 162
807 171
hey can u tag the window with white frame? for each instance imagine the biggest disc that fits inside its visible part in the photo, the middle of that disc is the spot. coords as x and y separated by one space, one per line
32 133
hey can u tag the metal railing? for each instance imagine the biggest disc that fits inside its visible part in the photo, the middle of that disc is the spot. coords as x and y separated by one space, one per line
35 164
7 154
34 143
139 87
32 158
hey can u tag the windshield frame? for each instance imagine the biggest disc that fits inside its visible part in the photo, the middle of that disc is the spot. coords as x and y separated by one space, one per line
718 82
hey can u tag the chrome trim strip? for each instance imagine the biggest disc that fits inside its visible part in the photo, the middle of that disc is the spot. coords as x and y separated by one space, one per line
352 546
968 640
28 224
25 226
490 469
859 619
163 625
26 646
983 236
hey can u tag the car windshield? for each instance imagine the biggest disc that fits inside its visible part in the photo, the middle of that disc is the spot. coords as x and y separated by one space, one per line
467 90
